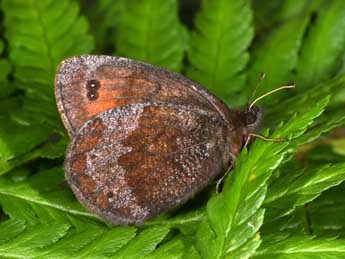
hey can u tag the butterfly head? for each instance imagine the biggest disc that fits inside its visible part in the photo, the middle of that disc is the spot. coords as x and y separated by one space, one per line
252 118
247 121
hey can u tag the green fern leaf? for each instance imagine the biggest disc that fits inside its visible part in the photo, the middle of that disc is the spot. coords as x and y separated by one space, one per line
143 244
39 200
74 236
83 237
170 250
244 191
277 56
47 188
150 31
17 148
218 52
327 213
303 247
268 14
33 240
43 188
104 17
104 246
322 125
40 35
299 101
5 68
247 250
303 187
9 229
321 57
32 235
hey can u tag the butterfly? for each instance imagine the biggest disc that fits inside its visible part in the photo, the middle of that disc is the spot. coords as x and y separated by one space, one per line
144 140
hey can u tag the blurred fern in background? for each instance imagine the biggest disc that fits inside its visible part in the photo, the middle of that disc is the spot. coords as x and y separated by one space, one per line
282 200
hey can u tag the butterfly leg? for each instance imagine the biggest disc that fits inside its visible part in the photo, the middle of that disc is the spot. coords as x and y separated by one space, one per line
221 180
263 138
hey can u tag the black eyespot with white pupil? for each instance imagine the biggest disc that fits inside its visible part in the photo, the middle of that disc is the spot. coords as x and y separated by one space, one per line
92 96
93 85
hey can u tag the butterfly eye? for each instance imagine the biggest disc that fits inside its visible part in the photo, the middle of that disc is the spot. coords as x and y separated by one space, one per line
93 85
250 118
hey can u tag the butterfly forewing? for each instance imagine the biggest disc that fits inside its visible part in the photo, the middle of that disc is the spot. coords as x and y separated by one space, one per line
130 163
88 85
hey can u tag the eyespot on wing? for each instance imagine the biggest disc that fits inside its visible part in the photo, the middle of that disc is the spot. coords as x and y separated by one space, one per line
88 85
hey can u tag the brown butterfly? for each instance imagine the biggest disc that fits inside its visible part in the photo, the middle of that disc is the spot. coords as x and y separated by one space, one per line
144 140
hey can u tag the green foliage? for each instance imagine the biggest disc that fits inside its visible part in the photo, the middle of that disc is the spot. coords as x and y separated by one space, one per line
150 31
5 69
104 16
327 213
303 247
239 204
320 56
17 148
277 55
281 199
268 14
42 232
218 48
36 32
302 188
45 188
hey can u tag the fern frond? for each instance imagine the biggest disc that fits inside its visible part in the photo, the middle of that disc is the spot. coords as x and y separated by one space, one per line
37 231
218 48
303 187
40 35
16 147
144 243
300 247
300 102
277 57
150 31
321 57
268 14
104 17
170 250
43 189
5 68
238 206
10 229
77 234
40 200
327 213
47 188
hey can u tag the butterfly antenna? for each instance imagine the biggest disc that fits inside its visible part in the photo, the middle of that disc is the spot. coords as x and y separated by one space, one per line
270 92
262 77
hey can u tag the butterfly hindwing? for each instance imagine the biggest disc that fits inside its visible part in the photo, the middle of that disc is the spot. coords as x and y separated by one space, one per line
130 163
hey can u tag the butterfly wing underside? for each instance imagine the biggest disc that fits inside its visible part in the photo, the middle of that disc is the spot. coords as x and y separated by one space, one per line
130 163
87 85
